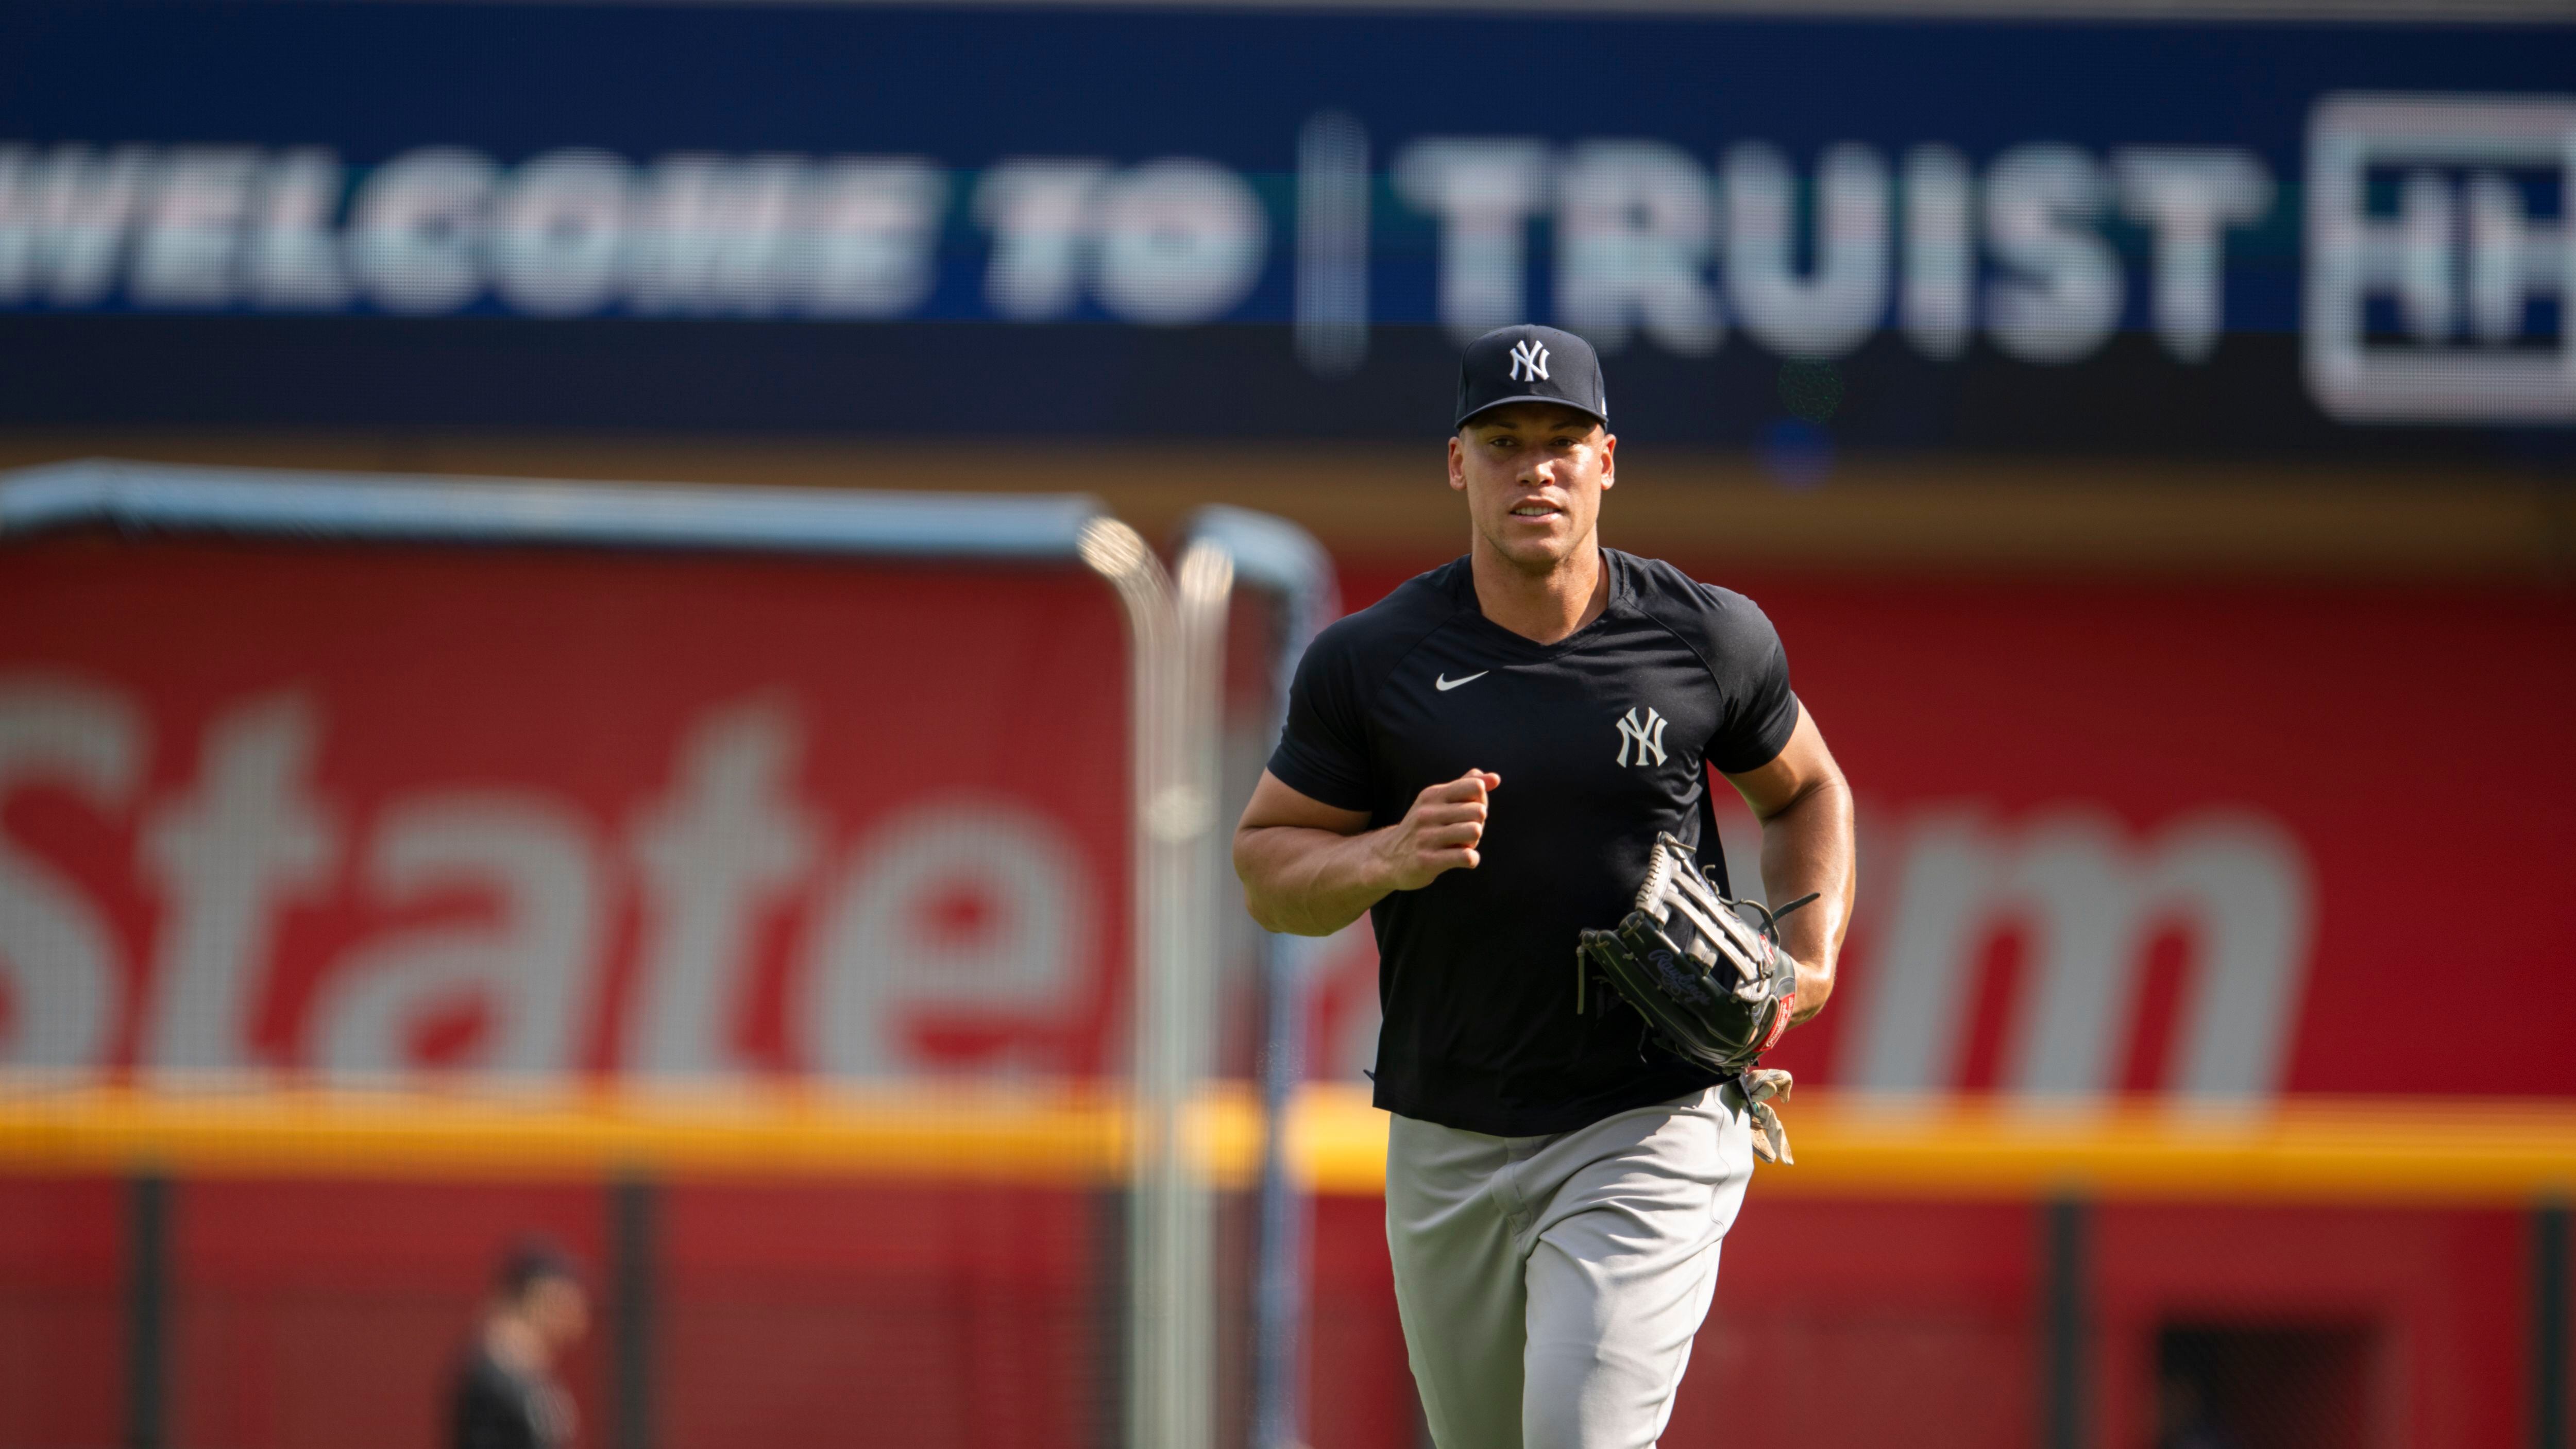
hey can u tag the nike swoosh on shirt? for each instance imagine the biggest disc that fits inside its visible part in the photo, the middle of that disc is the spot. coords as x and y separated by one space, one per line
1446 683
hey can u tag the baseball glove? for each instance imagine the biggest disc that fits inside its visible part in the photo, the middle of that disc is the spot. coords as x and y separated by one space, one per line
1708 975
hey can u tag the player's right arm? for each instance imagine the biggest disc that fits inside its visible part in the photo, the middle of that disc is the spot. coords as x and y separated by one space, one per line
1309 868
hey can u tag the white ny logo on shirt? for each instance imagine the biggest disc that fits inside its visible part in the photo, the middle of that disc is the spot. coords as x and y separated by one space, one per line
1648 737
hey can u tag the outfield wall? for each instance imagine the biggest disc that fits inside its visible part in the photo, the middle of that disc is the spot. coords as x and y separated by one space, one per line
928 1269
285 813
2173 818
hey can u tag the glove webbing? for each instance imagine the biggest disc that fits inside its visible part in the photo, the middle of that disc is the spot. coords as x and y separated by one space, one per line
1770 928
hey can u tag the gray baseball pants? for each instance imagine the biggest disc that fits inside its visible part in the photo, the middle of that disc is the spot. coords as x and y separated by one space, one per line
1550 1286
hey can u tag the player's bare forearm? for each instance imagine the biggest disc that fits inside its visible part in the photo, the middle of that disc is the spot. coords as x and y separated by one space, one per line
1805 807
1302 881
1309 868
1808 847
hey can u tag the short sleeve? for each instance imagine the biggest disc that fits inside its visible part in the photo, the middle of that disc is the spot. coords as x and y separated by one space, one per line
1752 672
1323 749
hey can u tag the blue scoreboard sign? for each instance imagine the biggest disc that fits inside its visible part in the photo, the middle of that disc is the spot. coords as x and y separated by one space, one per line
2063 235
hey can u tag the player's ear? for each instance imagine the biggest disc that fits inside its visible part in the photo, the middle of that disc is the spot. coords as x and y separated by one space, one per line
1609 458
1458 460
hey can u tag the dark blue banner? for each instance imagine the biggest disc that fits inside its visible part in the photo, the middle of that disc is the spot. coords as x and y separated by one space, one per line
1945 234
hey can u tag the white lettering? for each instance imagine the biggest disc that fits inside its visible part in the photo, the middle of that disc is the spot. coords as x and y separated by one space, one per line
59 963
1180 241
1915 1014
558 233
1340 972
2510 257
716 852
2060 298
1635 222
979 910
870 237
2092 902
1039 212
2427 223
249 839
1834 308
189 252
2244 883
63 220
415 229
2189 199
521 965
1483 192
712 235
1940 252
294 261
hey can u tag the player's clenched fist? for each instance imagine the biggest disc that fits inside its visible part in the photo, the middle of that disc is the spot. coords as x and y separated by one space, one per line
1441 832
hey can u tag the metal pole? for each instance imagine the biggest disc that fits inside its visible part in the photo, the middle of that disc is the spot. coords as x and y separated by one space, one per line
1178 1006
2549 1346
2068 1323
1112 1226
1167 1325
631 1234
147 1313
1279 1281
1281 559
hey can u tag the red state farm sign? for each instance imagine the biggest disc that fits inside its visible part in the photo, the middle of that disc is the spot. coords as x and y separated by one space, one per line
360 812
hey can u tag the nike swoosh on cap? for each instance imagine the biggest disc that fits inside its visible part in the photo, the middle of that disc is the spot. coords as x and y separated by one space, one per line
1446 683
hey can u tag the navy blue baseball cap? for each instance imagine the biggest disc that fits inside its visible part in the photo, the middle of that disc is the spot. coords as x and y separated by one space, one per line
1530 364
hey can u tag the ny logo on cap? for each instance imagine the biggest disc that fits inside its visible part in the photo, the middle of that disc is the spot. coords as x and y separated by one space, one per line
1529 361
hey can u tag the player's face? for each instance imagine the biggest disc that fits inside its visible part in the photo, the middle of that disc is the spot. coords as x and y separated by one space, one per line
1533 475
559 1309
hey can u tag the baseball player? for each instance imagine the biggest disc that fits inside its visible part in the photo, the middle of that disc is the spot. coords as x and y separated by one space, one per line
1484 761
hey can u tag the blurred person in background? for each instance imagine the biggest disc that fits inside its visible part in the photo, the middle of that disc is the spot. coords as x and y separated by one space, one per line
506 1395
2184 1417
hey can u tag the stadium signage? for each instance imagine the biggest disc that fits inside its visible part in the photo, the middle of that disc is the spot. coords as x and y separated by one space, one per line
254 842
354 814
2437 277
439 813
930 942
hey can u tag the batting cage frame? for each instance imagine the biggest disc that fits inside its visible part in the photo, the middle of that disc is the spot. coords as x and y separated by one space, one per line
1283 561
1175 627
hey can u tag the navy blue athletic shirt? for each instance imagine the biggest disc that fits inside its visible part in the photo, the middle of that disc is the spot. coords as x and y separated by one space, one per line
1602 739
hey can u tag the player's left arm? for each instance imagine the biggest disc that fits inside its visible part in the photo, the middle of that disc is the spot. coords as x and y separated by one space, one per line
1805 807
